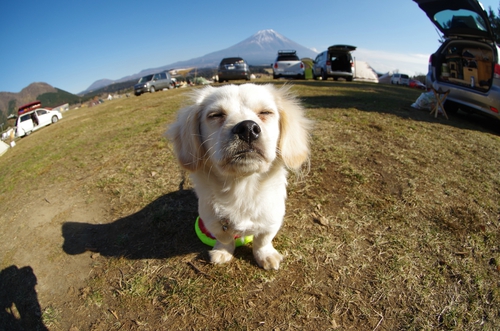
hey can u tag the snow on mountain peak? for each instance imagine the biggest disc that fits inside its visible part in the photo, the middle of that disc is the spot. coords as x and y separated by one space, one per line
267 36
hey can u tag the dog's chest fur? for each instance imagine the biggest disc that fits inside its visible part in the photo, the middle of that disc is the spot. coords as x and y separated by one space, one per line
250 204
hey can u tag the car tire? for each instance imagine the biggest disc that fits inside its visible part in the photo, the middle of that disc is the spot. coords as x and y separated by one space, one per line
349 79
323 75
451 107
152 89
55 119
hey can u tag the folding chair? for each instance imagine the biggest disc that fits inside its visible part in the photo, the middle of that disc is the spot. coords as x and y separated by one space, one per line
440 99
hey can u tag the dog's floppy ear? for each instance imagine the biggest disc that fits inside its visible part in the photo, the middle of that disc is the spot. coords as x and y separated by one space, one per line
185 133
294 129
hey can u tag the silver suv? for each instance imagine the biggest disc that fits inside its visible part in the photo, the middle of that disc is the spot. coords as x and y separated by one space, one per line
466 63
153 83
336 62
288 64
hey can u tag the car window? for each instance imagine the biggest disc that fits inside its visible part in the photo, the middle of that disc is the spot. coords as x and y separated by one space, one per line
288 58
25 117
462 18
145 79
232 61
41 112
405 76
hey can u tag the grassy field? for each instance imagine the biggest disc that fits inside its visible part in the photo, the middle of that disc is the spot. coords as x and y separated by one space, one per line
395 227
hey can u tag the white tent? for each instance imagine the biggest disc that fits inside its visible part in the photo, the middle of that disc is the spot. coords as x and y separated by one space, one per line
3 148
364 72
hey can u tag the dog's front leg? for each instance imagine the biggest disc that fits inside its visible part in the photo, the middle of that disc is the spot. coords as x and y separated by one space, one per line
265 254
222 252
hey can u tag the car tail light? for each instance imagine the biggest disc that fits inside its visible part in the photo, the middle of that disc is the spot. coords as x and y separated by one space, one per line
328 63
497 71
493 109
301 65
276 65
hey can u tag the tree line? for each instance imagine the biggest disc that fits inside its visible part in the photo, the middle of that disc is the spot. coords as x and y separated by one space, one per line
495 22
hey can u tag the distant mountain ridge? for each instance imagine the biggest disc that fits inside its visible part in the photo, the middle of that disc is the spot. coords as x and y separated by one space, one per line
259 49
48 95
26 95
99 84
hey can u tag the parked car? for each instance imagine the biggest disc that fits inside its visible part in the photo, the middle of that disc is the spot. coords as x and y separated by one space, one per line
233 68
336 62
288 64
400 79
36 119
466 63
153 83
417 84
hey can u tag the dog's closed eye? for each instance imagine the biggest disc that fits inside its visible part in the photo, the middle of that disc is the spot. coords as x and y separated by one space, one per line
216 115
263 114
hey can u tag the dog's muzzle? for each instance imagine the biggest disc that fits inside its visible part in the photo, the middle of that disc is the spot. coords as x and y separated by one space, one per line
247 131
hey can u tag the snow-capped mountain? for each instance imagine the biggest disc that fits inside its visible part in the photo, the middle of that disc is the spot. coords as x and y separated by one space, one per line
259 49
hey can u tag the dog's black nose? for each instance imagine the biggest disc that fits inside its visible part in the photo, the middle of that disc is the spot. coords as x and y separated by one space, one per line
247 131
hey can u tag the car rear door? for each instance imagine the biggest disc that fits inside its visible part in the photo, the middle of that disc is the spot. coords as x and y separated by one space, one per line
25 124
43 117
459 22
288 65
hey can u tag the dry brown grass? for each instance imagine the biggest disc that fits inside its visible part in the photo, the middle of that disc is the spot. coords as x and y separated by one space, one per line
396 226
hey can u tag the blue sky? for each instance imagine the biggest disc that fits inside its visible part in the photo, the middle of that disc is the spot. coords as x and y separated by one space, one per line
71 44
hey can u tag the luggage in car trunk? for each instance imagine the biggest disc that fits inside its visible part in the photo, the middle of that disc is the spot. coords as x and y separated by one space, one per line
467 65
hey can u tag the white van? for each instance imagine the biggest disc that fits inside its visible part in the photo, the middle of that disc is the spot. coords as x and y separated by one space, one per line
35 119
400 79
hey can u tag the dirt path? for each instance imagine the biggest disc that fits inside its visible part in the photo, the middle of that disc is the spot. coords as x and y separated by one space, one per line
31 237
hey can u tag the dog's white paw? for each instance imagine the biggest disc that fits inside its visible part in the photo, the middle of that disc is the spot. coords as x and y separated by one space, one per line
268 258
220 256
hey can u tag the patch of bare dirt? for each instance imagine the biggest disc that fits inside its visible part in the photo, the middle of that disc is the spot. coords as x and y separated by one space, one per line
31 243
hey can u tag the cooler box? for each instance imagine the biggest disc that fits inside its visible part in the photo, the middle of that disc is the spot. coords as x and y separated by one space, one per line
470 72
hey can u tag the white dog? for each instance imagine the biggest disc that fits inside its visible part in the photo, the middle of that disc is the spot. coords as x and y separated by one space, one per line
237 142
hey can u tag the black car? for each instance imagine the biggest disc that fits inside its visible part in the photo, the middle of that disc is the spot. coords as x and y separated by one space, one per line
233 68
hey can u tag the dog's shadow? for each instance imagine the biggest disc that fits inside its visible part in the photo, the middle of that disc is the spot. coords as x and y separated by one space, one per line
163 229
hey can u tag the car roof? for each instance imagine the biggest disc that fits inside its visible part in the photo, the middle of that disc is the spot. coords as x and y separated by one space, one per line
464 18
34 110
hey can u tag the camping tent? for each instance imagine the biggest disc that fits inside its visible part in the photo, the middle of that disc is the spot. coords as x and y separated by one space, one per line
3 148
365 73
